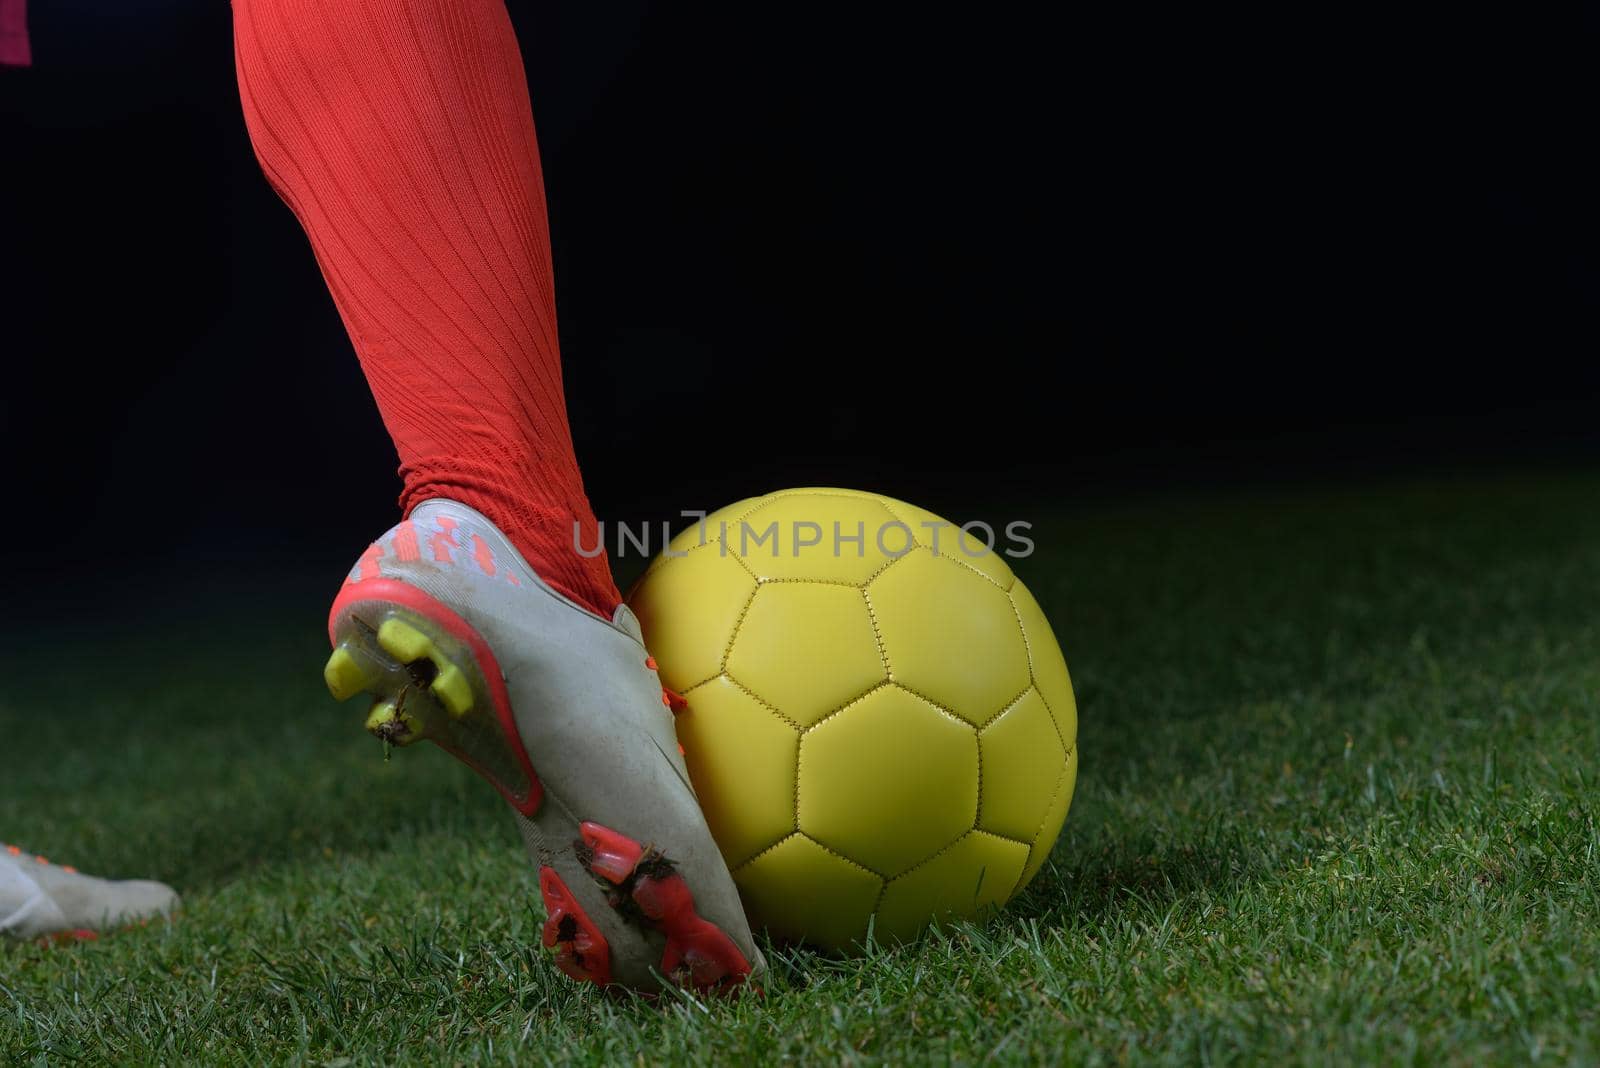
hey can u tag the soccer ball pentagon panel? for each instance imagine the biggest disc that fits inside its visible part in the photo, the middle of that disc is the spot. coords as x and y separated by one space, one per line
879 724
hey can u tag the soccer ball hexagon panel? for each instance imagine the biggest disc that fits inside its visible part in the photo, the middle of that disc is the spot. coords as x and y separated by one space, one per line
880 726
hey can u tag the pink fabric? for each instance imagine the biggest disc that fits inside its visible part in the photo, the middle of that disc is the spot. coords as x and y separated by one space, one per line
14 50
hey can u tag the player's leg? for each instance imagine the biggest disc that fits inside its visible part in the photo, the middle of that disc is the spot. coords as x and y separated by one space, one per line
400 133
40 899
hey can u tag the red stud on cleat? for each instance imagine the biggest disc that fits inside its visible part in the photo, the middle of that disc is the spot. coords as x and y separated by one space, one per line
613 855
581 951
692 966
663 900
698 954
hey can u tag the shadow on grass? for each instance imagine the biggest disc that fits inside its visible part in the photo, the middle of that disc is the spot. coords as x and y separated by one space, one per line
1087 890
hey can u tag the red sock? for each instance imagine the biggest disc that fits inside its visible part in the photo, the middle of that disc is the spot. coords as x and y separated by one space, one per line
399 132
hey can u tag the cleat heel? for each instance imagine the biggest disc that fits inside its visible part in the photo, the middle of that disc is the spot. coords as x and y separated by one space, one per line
429 684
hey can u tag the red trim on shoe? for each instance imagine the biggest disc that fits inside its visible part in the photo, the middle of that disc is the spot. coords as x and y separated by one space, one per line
408 596
581 950
698 953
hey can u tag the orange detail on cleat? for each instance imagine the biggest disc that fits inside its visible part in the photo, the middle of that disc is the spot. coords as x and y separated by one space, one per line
613 855
650 662
15 851
69 869
698 953
442 542
405 543
483 555
581 950
675 701
367 566
76 934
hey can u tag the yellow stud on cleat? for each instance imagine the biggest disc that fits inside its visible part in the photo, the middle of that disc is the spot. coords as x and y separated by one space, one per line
453 691
425 686
404 642
386 721
344 675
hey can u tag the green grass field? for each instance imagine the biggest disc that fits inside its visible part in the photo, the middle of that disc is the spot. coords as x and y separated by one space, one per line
1337 803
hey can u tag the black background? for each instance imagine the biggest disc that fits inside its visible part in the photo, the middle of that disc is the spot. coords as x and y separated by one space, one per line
964 256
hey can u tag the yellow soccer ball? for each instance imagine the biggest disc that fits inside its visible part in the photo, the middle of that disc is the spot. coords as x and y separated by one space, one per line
877 732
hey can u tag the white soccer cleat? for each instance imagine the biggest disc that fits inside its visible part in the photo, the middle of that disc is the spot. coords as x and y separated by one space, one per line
39 899
459 642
